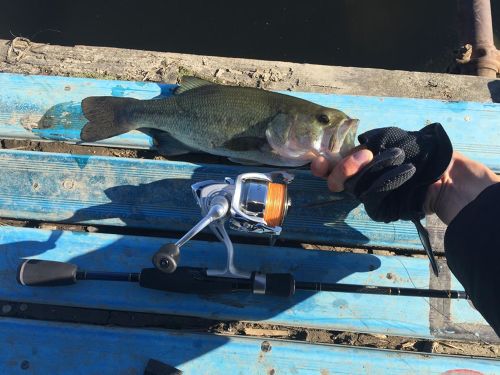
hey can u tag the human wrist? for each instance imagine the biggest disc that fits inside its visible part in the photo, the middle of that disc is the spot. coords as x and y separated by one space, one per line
461 183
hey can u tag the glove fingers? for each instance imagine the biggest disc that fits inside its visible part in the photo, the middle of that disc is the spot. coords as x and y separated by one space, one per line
377 140
360 182
392 179
392 156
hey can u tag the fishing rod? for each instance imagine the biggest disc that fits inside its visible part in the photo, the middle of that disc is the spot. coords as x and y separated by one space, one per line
252 203
193 280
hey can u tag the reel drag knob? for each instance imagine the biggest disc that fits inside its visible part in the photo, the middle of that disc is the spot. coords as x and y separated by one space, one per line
166 258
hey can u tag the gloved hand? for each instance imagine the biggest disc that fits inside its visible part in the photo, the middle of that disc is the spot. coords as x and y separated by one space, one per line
393 185
392 178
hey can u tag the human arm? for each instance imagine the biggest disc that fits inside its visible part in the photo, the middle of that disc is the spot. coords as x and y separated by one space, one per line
467 197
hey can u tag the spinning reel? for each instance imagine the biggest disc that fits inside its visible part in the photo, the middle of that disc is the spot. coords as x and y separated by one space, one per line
253 203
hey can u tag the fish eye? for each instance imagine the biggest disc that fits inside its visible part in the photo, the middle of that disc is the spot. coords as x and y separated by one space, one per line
324 119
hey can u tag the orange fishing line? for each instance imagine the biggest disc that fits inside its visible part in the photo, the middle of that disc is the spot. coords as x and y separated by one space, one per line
275 204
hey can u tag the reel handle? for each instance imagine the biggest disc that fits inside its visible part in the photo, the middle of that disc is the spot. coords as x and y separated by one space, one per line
167 257
219 207
34 272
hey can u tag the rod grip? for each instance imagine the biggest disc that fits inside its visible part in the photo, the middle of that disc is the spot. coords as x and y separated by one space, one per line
34 272
184 280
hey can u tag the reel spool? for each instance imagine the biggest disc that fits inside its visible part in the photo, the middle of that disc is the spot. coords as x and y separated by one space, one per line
253 203
260 202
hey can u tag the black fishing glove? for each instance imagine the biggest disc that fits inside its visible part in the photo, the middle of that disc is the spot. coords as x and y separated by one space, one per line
394 184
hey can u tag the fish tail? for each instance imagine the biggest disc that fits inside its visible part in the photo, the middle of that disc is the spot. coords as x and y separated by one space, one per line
106 117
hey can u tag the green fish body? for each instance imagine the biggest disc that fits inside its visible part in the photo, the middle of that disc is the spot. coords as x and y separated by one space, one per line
247 125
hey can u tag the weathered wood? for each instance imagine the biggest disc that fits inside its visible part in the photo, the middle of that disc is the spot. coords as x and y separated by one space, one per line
157 195
386 314
48 348
135 65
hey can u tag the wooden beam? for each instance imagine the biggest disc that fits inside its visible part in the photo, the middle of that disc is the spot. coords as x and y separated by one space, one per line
136 65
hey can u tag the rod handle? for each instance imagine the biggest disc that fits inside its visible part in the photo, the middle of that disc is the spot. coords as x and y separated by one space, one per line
35 272
184 280
273 284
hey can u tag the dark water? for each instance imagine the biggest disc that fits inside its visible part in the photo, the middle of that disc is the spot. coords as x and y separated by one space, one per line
393 34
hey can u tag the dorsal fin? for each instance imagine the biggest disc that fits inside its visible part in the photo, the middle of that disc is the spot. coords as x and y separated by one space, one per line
189 83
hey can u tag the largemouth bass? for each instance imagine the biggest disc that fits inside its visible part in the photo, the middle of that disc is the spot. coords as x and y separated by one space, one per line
247 125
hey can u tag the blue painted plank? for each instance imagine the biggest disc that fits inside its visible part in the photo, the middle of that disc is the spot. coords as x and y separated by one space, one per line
24 100
34 107
395 315
47 348
157 194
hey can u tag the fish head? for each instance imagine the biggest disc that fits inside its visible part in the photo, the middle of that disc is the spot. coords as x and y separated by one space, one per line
308 134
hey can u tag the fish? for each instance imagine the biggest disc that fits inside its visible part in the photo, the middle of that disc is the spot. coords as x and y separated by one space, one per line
248 125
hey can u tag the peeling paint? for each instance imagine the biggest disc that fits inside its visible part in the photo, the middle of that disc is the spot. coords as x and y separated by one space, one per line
30 122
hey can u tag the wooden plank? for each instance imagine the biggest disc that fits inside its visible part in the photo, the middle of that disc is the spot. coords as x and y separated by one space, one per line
48 107
46 348
137 65
157 194
394 315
